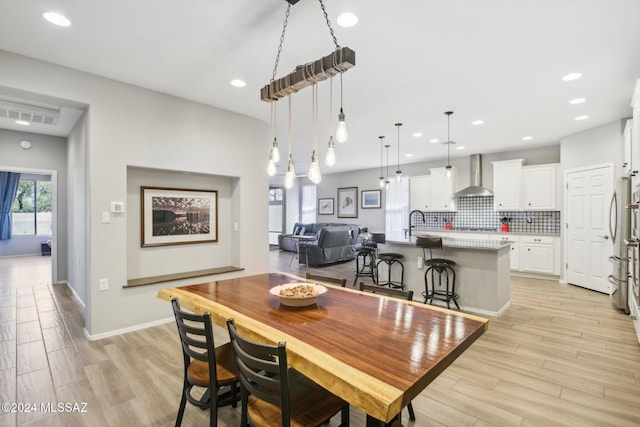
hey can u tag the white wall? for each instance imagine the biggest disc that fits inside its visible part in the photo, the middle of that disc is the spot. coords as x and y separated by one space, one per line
595 146
131 126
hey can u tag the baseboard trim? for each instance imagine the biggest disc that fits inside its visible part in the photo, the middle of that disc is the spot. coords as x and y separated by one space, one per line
75 296
487 312
97 337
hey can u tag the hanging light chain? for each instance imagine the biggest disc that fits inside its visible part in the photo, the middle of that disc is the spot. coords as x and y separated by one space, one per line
335 41
284 30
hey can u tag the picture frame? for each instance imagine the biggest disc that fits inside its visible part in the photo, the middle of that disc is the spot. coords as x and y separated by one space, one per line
348 202
325 206
370 199
178 216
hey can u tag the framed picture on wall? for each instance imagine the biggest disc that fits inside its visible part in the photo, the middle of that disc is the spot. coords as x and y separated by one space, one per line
348 202
325 206
176 216
370 199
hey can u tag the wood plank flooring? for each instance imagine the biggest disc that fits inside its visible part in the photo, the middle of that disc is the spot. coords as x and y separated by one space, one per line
560 356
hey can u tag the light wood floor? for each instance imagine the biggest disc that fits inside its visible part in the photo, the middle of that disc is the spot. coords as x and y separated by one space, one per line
561 355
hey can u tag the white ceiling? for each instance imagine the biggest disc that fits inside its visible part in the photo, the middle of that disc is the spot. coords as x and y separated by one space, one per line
496 60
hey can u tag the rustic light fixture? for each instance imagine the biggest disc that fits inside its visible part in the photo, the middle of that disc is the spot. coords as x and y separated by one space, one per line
337 62
330 160
448 142
398 171
290 175
314 168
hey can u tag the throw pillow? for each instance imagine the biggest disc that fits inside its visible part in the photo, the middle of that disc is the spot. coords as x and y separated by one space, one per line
302 230
296 231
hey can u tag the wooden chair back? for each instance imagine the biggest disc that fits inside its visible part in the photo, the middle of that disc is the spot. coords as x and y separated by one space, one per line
340 282
390 292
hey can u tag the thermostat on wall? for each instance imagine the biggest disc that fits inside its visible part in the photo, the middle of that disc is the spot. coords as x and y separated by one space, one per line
117 207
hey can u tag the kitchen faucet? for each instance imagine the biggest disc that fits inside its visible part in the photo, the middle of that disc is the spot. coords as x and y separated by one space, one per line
411 213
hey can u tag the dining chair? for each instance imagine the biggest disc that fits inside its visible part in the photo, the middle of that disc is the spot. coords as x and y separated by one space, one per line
205 365
274 394
396 293
341 282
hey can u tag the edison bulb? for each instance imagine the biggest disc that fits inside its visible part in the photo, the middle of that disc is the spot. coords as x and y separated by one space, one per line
341 131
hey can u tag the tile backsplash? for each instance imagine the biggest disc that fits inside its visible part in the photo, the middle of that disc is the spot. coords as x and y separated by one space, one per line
478 213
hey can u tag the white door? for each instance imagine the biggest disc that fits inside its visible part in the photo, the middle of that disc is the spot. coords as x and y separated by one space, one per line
587 217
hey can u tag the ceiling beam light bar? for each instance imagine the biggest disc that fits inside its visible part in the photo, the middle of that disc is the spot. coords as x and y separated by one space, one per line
306 75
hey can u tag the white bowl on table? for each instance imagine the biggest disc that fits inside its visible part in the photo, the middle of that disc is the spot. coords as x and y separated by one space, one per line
300 301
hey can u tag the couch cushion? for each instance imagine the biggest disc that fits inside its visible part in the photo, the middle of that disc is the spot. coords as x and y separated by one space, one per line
334 236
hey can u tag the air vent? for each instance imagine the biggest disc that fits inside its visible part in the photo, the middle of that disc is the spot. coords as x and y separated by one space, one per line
35 114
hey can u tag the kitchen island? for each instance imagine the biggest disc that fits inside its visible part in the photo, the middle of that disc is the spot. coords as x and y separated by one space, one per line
482 272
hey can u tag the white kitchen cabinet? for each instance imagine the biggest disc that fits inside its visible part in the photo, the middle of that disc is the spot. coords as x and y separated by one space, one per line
442 189
507 183
628 165
635 134
537 254
539 187
420 192
515 247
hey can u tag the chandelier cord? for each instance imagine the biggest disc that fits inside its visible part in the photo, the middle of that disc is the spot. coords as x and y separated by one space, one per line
381 161
448 140
289 130
284 30
330 107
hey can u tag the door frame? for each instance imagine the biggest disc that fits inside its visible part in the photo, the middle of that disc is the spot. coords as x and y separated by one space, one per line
565 208
284 206
54 211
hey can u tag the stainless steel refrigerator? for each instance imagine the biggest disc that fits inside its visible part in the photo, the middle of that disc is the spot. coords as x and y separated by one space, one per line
620 230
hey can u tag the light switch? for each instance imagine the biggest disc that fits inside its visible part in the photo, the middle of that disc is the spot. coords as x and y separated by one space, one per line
106 217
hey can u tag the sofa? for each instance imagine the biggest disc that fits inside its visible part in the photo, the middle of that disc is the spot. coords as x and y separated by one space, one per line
333 243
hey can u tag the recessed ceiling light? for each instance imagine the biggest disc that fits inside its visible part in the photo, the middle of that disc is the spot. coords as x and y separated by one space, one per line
238 83
347 20
57 19
527 138
22 122
25 144
434 140
408 155
572 76
581 118
477 122
416 134
459 148
575 101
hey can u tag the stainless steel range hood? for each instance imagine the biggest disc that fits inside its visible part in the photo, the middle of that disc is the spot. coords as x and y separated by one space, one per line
475 189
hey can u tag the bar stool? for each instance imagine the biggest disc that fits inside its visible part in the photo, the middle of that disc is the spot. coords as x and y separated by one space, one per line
366 258
389 258
441 266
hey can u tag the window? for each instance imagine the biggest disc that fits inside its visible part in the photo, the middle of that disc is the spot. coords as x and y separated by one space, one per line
308 204
31 210
397 209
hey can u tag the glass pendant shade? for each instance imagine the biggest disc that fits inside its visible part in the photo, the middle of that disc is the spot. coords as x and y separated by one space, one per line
341 131
330 160
386 185
290 176
275 153
381 182
271 166
398 175
314 169
448 171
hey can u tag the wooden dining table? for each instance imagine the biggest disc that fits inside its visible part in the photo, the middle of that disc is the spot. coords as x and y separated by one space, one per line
375 352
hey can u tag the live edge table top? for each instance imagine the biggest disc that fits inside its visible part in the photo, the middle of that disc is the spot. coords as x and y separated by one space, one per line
377 353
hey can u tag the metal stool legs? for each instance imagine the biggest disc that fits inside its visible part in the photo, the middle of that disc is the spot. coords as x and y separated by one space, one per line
389 282
368 268
449 294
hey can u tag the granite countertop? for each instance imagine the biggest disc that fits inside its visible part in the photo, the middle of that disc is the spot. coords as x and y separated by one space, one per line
455 242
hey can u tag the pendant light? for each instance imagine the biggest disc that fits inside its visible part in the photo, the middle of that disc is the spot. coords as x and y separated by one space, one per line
398 171
381 182
449 142
314 168
386 181
275 153
341 131
290 175
330 160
